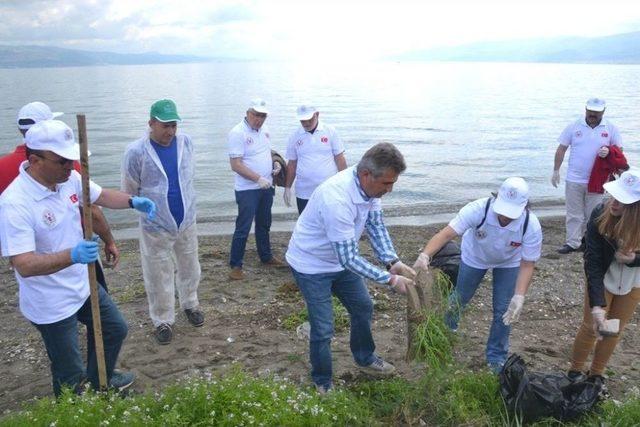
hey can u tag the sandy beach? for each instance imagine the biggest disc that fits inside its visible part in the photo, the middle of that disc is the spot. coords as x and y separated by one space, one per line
245 322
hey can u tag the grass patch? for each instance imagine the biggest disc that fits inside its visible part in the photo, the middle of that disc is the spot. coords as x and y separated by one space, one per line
340 317
131 293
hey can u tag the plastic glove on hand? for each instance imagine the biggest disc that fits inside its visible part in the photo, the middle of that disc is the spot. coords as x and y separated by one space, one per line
598 315
603 151
513 312
287 197
555 178
422 263
400 283
625 257
144 205
276 168
403 270
263 183
85 252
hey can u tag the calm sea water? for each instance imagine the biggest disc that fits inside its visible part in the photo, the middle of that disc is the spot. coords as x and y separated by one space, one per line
463 127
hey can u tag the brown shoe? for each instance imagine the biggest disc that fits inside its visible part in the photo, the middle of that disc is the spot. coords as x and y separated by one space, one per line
276 263
236 273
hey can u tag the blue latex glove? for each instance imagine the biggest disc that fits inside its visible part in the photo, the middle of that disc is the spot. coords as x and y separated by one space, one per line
145 205
85 252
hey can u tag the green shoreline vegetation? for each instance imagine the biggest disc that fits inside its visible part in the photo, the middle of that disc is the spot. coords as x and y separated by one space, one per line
445 395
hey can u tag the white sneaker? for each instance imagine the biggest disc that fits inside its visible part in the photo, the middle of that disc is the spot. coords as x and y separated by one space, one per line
378 367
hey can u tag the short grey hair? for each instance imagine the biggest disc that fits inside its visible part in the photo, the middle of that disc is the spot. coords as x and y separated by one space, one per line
381 157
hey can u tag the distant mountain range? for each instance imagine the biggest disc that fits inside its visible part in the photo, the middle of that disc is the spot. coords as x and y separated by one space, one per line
615 49
41 56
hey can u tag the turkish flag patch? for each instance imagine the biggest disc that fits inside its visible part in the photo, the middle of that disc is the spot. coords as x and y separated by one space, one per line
515 244
73 198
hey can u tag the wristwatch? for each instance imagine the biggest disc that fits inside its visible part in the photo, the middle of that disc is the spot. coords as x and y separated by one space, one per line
131 202
390 264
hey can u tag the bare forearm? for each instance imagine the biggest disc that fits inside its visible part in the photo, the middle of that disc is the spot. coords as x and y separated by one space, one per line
524 277
291 173
439 240
33 264
559 157
341 162
113 199
238 166
100 225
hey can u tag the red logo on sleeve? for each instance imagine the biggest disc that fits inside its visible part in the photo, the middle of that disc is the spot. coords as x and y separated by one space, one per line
73 198
324 139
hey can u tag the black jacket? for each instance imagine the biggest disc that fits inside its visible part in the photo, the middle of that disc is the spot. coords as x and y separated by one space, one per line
598 256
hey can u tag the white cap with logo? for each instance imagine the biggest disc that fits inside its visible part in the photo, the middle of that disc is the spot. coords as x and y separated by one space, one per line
625 189
36 111
259 105
513 197
596 104
305 112
55 136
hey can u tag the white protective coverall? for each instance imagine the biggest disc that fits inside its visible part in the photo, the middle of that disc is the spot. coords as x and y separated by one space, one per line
165 248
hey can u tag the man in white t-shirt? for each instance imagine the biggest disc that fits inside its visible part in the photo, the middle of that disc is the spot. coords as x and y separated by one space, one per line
498 234
250 159
314 153
324 258
588 138
41 233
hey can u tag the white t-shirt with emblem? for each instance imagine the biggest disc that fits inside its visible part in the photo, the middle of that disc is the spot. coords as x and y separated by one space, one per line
336 212
494 246
254 147
35 219
585 143
314 153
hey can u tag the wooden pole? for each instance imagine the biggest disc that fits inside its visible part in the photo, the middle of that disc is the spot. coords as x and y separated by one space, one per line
88 234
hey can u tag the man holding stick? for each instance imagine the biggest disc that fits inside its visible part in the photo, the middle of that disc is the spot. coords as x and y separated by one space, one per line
41 233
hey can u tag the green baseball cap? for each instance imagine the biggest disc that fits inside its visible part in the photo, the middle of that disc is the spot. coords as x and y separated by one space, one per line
165 110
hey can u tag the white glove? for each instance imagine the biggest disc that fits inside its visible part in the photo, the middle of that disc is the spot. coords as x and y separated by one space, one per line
422 263
263 183
287 196
603 151
400 283
403 270
625 257
513 312
555 178
598 314
276 168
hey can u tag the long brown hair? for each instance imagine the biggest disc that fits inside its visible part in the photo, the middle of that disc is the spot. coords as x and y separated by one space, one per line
624 229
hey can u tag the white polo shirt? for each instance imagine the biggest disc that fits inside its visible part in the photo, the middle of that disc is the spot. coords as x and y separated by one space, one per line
585 143
315 154
35 219
254 147
494 246
336 212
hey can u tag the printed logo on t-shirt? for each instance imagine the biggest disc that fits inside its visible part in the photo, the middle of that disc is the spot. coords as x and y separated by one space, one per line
300 142
73 198
48 218
515 244
324 139
578 134
481 234
604 134
249 140
267 135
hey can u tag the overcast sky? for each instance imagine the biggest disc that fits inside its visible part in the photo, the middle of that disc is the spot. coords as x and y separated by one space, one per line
321 30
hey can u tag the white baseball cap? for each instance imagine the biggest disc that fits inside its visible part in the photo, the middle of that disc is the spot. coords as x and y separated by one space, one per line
625 189
596 104
513 197
36 111
259 105
305 112
55 136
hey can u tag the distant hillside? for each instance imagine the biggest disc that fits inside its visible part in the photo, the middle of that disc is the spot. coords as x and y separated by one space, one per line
616 49
40 56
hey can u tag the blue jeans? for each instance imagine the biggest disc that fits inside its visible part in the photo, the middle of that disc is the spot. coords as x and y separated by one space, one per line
252 204
504 285
352 292
61 341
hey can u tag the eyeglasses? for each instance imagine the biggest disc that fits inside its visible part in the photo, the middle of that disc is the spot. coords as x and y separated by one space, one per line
61 161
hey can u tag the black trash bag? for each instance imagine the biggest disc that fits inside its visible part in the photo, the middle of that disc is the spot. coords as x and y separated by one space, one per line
447 259
535 395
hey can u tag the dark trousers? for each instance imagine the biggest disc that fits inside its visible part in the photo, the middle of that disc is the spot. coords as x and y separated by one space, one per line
252 204
61 341
302 203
